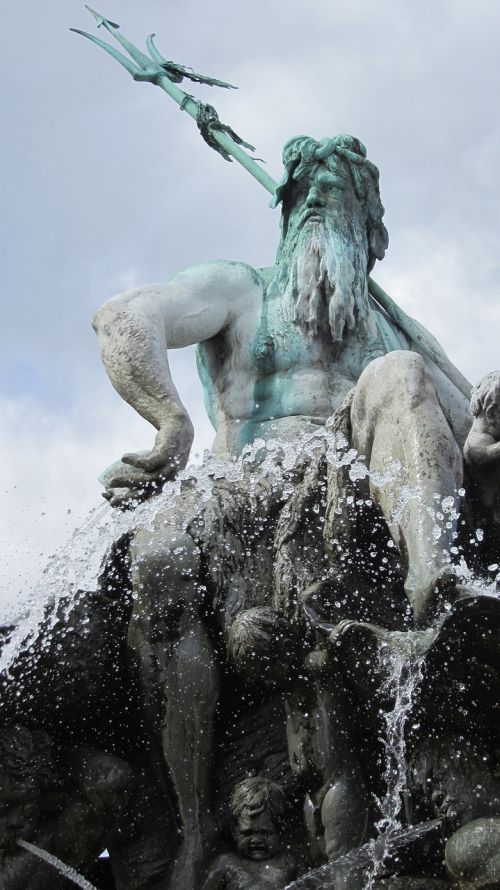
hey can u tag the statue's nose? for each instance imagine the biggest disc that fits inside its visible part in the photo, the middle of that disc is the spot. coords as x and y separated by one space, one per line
315 198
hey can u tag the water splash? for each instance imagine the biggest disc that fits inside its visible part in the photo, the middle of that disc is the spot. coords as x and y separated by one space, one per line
77 565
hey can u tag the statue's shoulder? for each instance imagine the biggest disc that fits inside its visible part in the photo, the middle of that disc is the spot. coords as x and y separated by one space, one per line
232 275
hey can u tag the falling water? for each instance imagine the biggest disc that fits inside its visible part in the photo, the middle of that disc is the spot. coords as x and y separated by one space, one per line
401 660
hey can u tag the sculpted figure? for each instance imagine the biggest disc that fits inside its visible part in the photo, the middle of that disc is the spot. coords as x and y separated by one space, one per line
482 447
482 457
278 350
257 811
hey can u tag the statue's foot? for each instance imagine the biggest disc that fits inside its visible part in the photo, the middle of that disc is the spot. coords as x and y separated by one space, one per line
193 858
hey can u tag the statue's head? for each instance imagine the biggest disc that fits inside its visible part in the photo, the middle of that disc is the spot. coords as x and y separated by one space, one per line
453 779
321 175
332 231
257 808
264 646
485 402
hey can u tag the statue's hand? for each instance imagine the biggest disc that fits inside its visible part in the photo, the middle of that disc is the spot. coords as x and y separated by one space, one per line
137 477
171 449
126 486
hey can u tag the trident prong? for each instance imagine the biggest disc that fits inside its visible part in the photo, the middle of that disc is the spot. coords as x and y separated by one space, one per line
137 73
100 18
142 60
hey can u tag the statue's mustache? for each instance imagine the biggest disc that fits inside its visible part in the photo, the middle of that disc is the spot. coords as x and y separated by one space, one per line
314 215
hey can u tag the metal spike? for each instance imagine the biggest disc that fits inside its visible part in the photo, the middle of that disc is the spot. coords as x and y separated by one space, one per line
100 18
142 60
153 51
127 64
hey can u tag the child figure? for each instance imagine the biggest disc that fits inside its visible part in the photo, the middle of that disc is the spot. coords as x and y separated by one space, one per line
482 448
482 457
257 809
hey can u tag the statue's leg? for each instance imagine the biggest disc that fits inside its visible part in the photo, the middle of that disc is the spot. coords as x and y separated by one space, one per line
179 680
415 463
323 756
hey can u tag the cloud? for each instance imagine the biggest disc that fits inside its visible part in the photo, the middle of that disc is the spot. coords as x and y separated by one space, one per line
456 301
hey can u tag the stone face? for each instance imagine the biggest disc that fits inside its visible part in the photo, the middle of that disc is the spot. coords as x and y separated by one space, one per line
285 681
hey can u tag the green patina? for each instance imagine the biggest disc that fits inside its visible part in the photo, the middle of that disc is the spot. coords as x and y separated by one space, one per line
207 381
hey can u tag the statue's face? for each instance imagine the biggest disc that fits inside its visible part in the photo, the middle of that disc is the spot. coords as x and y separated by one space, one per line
256 836
319 191
492 416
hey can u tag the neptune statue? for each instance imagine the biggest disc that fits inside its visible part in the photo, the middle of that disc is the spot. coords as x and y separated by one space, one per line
254 623
279 351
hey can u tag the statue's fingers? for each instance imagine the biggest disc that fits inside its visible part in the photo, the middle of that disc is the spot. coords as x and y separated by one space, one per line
124 502
126 480
152 461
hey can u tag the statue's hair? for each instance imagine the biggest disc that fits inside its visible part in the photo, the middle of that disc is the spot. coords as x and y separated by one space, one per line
254 795
302 153
262 644
435 758
27 754
485 393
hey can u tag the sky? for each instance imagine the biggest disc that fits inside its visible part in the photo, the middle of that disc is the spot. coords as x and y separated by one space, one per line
107 185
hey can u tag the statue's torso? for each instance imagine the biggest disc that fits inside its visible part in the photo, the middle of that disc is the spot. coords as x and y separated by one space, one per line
263 376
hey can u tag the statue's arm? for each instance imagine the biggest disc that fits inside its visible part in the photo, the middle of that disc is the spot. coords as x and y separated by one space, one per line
136 329
218 875
481 450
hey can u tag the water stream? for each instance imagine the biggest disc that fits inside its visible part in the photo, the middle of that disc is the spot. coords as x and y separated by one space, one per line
402 661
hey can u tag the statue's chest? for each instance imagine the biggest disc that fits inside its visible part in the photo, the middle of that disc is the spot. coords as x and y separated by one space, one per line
278 344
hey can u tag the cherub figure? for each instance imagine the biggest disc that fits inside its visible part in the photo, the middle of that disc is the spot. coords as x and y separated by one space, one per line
482 447
482 460
257 811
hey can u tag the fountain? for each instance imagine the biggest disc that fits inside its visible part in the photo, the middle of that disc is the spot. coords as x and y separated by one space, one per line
280 668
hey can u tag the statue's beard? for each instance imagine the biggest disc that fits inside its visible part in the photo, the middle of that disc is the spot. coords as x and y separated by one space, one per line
323 274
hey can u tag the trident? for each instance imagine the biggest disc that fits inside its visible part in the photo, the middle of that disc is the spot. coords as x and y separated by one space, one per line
153 68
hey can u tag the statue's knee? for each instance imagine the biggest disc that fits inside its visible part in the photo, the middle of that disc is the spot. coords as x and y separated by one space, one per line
400 378
344 813
408 370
